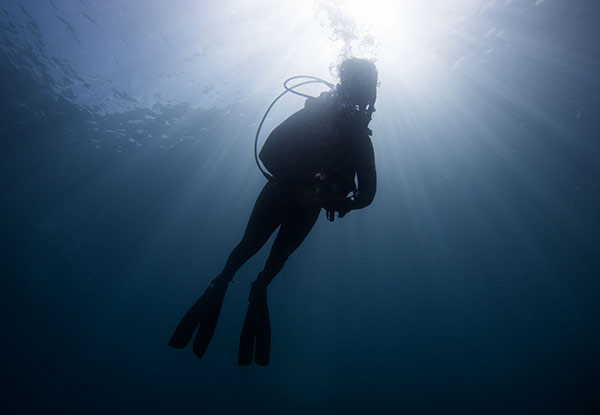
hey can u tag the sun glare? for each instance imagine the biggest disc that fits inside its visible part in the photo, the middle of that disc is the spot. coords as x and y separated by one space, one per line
406 31
380 16
400 27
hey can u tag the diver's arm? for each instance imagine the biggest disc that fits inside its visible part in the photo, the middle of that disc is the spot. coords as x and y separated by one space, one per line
366 174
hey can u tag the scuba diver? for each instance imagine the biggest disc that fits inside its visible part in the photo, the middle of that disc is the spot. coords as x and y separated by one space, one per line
314 157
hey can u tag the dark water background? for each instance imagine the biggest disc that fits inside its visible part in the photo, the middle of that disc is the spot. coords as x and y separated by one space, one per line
469 286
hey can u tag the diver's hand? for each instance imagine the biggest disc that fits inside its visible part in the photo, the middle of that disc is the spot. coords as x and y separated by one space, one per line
333 203
331 213
342 212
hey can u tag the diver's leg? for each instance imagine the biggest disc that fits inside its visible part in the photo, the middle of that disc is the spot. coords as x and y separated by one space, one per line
295 226
256 331
203 315
265 218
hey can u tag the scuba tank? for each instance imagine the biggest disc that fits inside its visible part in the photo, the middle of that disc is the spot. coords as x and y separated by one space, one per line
292 89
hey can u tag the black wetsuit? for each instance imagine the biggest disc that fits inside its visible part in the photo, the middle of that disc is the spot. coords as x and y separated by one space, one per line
314 156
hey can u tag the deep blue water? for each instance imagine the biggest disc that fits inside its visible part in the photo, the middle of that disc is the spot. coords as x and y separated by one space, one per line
471 285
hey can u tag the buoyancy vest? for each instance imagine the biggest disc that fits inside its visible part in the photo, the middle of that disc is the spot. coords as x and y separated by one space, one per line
315 146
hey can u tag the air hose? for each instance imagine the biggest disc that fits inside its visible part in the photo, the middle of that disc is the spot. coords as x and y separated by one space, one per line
292 89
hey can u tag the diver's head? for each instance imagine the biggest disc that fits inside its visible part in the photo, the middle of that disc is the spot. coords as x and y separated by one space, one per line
358 82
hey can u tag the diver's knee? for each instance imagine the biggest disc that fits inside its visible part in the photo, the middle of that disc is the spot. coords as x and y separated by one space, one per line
247 247
282 254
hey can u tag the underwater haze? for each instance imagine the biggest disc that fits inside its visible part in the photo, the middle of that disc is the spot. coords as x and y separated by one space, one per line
471 285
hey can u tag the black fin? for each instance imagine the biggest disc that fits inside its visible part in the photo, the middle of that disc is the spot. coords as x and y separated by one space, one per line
207 325
263 335
255 341
203 315
186 327
246 351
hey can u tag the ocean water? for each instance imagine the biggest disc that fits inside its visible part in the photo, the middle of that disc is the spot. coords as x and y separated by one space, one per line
470 285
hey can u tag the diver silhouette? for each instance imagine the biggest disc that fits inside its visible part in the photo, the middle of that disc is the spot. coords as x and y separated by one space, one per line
314 157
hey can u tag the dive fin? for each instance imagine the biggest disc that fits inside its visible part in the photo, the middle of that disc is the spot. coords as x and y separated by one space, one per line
255 340
263 335
203 316
188 324
207 325
246 351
